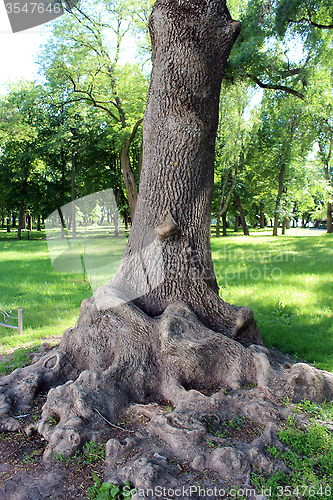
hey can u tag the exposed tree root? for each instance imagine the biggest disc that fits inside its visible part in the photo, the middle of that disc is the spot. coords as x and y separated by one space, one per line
117 356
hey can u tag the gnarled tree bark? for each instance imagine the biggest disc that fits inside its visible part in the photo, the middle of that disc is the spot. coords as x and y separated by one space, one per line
159 329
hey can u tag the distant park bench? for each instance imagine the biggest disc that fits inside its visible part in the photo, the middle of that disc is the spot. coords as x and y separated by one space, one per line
7 316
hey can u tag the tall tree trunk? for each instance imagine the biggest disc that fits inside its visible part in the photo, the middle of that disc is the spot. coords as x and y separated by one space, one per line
224 220
283 231
224 204
275 226
278 199
8 224
239 207
284 162
128 174
38 223
329 217
73 213
262 215
236 223
21 214
217 232
326 158
21 220
116 217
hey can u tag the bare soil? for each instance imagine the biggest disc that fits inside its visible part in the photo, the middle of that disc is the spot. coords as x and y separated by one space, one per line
25 476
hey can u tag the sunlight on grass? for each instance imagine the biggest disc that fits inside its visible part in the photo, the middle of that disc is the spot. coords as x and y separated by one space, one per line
286 280
50 299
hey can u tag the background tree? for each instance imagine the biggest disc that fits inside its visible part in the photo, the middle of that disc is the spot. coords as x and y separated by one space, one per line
21 122
232 138
82 57
282 142
320 114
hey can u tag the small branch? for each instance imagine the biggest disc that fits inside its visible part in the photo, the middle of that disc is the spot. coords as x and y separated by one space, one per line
134 131
113 425
289 72
272 86
312 23
88 93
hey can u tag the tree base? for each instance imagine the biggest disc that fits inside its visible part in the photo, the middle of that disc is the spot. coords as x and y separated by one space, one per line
117 356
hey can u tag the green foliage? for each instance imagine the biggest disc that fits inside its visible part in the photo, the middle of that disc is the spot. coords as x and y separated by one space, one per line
210 443
281 43
323 411
109 491
91 453
309 457
19 358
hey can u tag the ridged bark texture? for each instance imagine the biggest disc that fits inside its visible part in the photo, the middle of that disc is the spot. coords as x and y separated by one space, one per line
191 42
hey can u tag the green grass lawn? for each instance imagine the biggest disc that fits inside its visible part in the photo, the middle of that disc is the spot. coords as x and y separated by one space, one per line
286 280
50 299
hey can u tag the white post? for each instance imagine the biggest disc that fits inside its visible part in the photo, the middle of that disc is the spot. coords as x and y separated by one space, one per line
20 321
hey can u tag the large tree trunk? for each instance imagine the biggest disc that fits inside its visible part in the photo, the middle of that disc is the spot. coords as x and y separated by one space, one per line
160 329
172 218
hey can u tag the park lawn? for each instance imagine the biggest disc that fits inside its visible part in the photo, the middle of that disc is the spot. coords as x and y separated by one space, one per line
286 280
50 299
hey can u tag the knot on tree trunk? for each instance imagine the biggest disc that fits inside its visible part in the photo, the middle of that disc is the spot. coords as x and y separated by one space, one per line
168 229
